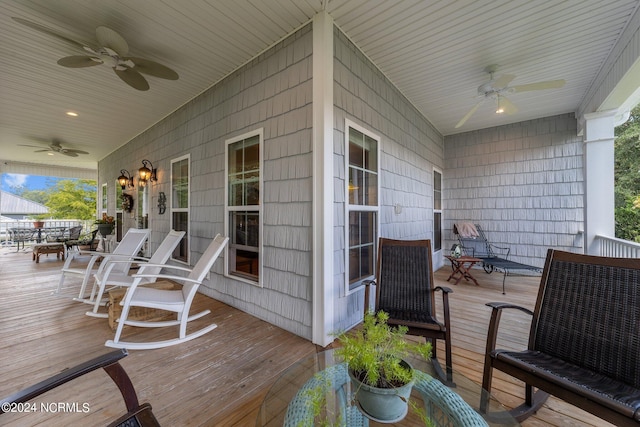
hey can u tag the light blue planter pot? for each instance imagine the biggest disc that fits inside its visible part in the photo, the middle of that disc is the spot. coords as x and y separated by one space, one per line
385 405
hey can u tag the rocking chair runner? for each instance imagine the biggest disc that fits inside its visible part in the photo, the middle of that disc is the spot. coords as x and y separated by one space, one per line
177 301
112 276
405 290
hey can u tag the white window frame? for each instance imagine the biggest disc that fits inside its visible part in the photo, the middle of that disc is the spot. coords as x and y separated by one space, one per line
229 251
437 211
173 210
104 200
353 287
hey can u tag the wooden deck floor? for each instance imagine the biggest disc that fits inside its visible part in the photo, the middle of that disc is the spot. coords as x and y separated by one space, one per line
218 379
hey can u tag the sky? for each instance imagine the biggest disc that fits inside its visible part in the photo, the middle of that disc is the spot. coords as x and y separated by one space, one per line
31 182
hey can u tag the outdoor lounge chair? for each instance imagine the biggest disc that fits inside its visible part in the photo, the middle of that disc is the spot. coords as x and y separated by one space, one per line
137 415
474 243
111 276
128 248
405 290
177 301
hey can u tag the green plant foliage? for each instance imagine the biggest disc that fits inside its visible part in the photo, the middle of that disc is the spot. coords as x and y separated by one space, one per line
627 178
374 352
72 199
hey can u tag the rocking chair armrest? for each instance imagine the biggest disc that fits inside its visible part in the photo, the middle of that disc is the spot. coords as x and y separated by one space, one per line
494 323
65 376
166 277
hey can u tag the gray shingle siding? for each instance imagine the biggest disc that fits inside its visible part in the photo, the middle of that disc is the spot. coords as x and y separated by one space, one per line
272 92
523 183
409 150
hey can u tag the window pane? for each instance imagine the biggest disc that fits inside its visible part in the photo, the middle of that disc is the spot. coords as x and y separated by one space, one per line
180 184
244 172
356 186
372 189
181 223
362 237
437 231
437 190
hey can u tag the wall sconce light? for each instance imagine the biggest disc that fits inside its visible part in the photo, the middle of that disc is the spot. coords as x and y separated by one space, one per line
146 173
125 179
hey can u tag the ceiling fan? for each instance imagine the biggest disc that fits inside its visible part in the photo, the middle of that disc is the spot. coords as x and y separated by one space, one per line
497 89
54 146
111 50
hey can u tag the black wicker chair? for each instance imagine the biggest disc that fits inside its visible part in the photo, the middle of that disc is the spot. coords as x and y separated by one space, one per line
405 290
137 415
584 343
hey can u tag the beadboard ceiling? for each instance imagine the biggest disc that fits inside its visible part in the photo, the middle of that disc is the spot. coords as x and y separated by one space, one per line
433 51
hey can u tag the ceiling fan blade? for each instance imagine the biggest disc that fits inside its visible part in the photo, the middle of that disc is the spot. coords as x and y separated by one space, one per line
78 61
109 38
503 81
41 151
74 151
469 114
152 68
551 84
31 146
508 106
68 153
133 78
48 31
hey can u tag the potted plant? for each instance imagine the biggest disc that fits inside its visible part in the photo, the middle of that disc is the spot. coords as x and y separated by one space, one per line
381 377
105 225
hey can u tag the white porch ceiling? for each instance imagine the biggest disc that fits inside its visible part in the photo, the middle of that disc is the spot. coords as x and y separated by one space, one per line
433 51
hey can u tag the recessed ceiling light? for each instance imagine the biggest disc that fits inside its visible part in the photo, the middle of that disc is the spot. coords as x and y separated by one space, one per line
72 114
50 153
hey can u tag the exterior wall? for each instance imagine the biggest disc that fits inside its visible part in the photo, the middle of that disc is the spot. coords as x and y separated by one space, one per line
523 183
272 92
410 148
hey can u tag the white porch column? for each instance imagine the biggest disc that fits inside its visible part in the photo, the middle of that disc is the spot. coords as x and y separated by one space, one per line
599 177
323 284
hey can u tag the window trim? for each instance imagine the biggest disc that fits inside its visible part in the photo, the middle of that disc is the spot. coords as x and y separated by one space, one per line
252 208
187 209
351 288
104 199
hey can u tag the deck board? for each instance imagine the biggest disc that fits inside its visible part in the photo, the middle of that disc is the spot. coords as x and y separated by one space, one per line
218 379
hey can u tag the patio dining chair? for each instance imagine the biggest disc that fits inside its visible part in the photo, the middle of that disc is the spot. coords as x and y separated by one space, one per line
405 290
177 301
111 276
128 248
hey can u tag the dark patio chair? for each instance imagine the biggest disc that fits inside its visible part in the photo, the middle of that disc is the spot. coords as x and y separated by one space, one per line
22 235
405 290
87 242
137 414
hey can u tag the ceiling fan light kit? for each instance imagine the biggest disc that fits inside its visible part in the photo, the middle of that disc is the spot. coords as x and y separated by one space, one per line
498 87
112 50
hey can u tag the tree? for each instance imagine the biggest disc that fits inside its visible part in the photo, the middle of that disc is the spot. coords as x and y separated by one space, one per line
627 178
72 199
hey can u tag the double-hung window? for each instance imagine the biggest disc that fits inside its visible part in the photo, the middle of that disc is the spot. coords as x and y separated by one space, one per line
362 167
180 205
243 208
437 210
119 212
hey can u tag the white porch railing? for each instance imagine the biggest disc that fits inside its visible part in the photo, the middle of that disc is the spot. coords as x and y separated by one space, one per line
617 248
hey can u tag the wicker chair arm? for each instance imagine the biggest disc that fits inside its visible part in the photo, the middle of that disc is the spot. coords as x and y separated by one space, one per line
494 323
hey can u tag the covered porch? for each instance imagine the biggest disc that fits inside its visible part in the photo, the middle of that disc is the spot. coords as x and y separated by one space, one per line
218 379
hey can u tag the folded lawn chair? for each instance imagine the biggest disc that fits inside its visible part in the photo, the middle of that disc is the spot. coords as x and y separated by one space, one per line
128 248
177 301
112 276
474 244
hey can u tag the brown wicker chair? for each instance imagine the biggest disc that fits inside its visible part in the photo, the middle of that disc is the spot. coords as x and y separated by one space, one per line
137 414
584 339
405 290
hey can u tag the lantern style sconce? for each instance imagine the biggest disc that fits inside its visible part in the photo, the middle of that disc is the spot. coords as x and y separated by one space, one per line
125 179
146 173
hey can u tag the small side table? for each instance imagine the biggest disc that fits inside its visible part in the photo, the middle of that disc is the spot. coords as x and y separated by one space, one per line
461 267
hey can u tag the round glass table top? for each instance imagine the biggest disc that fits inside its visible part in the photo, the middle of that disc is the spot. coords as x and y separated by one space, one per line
323 375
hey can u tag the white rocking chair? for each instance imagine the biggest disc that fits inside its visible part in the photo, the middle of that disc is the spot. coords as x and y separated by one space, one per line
128 248
178 301
116 277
